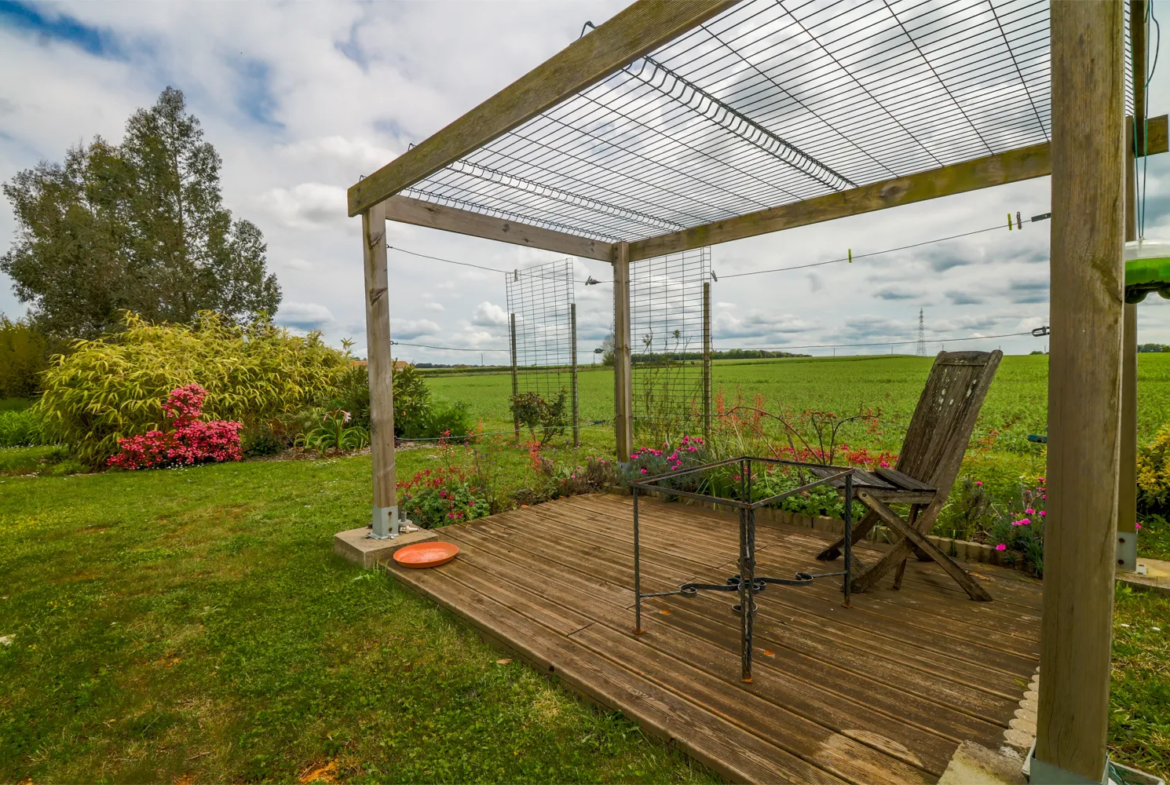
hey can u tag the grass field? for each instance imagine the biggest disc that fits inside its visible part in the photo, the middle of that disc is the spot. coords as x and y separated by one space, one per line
1016 405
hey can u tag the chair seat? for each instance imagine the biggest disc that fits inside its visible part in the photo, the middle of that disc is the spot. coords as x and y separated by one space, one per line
889 485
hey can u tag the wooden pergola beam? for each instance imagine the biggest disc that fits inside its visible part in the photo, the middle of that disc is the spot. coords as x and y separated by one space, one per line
640 28
1022 163
453 219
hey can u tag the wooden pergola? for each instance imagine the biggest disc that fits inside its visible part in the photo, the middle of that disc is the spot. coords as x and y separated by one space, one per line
684 123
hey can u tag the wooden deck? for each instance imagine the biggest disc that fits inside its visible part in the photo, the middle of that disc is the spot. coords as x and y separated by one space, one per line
882 692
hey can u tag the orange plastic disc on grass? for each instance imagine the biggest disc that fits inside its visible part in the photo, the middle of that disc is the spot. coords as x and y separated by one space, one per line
426 554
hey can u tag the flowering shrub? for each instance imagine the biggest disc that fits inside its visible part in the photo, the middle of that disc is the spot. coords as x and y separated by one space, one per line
110 388
189 441
438 497
649 462
1019 529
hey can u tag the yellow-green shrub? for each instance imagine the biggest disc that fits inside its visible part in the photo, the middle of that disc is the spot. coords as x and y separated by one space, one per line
114 386
1154 474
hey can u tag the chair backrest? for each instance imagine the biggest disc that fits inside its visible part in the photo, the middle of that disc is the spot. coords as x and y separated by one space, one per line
945 417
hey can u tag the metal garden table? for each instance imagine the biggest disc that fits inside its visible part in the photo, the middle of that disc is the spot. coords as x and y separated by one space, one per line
746 583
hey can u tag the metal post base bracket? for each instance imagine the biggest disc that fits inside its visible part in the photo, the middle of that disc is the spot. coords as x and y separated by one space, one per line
1041 773
1127 551
386 523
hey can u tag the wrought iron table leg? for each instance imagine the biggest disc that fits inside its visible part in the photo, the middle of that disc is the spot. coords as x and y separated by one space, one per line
637 572
847 579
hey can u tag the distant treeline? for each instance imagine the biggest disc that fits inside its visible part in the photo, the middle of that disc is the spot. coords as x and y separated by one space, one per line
1153 347
722 354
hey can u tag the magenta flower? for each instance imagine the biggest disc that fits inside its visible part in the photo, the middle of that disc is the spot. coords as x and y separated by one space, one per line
1001 547
643 471
1042 513
1030 511
1137 527
978 484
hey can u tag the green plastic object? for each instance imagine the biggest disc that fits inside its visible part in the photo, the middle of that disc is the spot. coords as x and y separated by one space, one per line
1147 269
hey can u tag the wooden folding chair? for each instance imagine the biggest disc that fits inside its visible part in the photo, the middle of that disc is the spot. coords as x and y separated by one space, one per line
928 464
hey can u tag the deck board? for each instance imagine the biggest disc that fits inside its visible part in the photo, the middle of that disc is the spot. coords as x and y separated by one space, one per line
882 692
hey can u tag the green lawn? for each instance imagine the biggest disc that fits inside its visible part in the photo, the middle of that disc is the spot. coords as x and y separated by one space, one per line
194 623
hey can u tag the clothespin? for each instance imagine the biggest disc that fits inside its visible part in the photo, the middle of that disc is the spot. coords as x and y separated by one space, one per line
714 277
1019 221
850 256
1009 222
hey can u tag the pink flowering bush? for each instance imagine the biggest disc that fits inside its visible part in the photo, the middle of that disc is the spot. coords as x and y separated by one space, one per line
1019 529
690 452
188 440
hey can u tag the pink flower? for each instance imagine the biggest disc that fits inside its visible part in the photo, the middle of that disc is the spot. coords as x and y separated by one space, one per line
1039 480
885 465
978 484
643 471
1001 547
1137 527
1042 513
1030 511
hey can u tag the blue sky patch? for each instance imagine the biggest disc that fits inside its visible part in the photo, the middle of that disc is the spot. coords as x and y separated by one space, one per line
254 92
31 18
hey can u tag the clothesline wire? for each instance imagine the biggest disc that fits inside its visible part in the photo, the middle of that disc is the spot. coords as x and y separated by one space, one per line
769 348
849 258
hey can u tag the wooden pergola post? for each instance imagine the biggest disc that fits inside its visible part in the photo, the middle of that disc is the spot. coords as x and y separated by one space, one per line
622 355
1084 389
1127 472
381 370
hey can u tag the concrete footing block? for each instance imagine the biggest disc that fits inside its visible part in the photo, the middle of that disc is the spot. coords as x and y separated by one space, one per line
354 546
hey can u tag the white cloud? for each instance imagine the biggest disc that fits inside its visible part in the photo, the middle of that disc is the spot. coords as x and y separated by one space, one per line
359 155
306 316
307 205
488 314
408 329
433 306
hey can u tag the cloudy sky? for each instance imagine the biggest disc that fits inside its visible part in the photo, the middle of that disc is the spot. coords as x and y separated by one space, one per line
302 98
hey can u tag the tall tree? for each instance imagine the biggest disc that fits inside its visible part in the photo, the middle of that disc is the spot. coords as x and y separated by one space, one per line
140 227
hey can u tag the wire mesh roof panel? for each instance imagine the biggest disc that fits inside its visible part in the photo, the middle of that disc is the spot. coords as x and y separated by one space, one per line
769 103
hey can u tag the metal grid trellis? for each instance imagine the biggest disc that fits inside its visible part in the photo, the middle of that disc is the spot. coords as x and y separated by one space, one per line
543 332
769 103
670 331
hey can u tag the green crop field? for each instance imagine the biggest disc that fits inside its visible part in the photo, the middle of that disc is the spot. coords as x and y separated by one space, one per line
1015 407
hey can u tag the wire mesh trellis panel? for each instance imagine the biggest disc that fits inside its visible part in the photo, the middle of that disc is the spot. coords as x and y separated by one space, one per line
543 327
670 336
